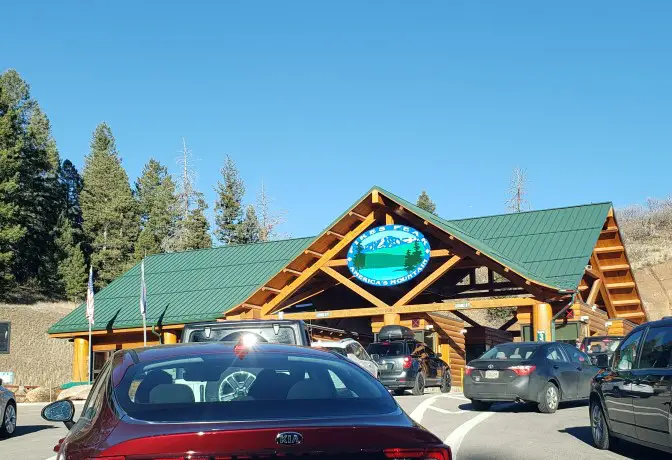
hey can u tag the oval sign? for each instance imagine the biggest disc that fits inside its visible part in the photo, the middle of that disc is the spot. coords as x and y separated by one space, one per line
388 255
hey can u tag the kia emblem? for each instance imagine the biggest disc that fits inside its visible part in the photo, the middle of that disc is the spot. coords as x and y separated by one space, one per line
490 366
289 438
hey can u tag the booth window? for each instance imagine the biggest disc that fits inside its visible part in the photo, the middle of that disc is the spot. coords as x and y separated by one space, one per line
4 337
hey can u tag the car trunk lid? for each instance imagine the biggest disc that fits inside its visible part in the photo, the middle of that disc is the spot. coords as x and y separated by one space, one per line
332 442
496 371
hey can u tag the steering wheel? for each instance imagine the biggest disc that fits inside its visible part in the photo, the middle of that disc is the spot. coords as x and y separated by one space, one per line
235 385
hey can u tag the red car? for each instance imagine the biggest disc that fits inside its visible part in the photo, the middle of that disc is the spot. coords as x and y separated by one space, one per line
207 401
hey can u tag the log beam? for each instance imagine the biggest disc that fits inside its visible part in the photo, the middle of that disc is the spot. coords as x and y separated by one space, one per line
354 287
428 281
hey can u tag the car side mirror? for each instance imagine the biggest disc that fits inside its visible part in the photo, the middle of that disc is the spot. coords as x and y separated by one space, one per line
60 411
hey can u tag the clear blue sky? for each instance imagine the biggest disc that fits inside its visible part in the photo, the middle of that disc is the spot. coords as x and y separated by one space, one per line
322 100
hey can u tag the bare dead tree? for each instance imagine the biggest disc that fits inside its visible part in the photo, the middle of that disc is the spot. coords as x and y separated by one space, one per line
518 191
187 179
269 219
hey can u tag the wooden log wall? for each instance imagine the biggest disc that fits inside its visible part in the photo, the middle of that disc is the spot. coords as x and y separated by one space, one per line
620 326
451 344
597 320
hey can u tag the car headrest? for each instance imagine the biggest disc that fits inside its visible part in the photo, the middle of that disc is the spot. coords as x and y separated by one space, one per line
171 393
309 389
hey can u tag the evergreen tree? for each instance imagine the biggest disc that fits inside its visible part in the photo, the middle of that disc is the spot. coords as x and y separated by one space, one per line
408 261
360 257
196 229
13 101
249 230
110 217
424 202
72 266
158 206
229 204
72 185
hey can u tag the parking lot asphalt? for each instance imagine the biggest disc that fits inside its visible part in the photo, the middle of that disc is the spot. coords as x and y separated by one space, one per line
507 432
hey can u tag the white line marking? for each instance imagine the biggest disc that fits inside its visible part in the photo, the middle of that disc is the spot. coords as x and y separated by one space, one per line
419 411
443 411
454 440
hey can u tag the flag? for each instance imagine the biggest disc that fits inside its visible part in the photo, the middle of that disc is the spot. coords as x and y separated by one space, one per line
143 290
89 297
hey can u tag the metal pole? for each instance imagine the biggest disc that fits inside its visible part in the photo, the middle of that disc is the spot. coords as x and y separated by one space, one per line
90 357
144 328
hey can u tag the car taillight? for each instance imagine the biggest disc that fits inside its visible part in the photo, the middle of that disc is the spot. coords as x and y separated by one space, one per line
468 369
439 453
407 362
523 370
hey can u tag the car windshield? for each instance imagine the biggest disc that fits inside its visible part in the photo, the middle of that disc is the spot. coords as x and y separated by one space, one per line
255 386
339 350
511 351
601 345
387 349
262 334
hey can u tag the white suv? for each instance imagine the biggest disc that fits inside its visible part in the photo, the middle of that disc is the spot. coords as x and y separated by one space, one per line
352 350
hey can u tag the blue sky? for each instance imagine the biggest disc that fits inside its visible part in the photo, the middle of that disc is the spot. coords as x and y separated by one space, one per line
321 100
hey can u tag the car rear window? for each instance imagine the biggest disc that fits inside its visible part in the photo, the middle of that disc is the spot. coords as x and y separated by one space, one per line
263 334
603 345
511 352
388 349
259 385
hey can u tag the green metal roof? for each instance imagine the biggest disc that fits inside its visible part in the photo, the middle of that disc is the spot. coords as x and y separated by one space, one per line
551 247
186 286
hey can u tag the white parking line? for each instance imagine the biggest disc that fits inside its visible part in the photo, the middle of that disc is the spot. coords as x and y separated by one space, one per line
444 411
419 411
456 437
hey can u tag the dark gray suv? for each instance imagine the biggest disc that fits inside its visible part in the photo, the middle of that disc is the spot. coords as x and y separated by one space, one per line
406 364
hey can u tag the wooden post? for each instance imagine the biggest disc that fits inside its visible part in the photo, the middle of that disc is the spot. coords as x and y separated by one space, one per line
169 337
80 359
541 322
391 318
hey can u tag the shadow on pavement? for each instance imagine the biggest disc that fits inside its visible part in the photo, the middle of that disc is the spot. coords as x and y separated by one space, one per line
517 408
624 448
22 430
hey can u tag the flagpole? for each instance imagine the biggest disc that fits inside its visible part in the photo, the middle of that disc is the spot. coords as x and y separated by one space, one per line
143 301
144 328
90 351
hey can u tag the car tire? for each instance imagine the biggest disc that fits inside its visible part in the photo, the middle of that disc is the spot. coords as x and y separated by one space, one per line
445 384
8 425
549 399
419 387
602 437
479 405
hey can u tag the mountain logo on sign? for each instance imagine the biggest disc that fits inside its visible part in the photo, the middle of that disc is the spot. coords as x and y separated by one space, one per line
388 255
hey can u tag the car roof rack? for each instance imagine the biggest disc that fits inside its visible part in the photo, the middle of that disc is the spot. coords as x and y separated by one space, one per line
395 332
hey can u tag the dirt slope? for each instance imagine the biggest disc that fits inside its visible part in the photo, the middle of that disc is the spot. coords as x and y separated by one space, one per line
655 287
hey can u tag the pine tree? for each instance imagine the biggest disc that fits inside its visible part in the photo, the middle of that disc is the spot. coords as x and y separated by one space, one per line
72 266
110 216
359 258
229 204
426 203
196 228
158 206
249 230
13 101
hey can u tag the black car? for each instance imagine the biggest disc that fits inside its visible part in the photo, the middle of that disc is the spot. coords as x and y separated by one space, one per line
631 399
540 372
406 364
601 348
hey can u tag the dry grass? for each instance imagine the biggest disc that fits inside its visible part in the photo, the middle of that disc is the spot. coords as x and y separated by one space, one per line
35 358
647 230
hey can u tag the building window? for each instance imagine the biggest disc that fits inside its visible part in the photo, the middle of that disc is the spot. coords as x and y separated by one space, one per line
4 336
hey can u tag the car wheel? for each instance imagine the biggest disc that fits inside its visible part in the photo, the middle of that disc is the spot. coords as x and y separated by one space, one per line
419 387
8 421
602 438
445 384
480 405
549 399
